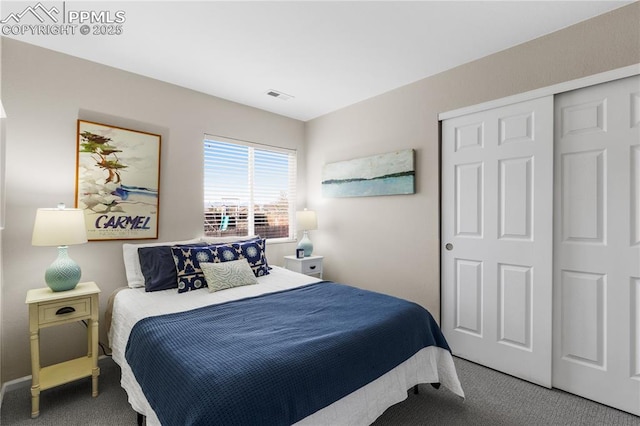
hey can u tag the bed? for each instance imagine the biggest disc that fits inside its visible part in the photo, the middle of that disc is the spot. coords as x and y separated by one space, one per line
297 359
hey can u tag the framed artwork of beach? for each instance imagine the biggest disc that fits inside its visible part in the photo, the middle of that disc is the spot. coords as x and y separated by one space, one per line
391 173
117 181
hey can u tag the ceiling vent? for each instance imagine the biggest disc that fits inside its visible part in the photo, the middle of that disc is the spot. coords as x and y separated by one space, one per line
279 95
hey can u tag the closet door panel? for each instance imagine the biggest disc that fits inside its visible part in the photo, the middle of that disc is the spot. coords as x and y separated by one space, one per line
596 252
497 177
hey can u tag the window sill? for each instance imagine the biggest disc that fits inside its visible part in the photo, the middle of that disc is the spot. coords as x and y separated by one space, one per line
281 240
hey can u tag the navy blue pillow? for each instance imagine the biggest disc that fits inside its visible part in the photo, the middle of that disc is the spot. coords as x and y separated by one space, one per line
187 260
158 267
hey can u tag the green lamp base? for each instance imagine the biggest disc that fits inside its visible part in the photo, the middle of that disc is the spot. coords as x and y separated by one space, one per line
64 273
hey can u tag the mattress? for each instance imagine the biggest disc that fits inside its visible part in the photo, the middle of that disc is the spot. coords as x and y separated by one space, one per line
429 365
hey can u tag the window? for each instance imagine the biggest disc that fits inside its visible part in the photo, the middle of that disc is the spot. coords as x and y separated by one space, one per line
249 189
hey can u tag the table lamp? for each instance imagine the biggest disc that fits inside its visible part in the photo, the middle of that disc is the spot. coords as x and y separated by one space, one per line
306 221
60 227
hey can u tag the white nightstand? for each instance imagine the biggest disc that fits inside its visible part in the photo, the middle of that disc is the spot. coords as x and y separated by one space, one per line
311 265
47 309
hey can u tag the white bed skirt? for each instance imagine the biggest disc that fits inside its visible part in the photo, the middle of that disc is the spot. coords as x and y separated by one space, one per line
362 407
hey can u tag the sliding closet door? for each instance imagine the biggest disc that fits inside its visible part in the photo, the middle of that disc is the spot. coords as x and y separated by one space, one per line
497 216
597 244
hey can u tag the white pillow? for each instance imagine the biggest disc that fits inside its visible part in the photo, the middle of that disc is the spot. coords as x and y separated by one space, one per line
223 275
227 239
132 261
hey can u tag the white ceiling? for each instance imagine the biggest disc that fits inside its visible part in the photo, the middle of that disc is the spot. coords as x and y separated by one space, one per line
326 54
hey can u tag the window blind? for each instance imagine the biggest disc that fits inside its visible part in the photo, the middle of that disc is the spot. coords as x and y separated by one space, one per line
249 189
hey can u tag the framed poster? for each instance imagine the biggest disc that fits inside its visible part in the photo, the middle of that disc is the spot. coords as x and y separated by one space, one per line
117 181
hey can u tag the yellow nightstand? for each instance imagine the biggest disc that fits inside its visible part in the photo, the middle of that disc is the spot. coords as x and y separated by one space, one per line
310 265
47 309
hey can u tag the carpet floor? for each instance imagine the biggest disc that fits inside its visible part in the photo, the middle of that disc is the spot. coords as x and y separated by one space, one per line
492 398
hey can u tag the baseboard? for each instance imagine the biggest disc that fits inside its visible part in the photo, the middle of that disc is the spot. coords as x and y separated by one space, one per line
11 385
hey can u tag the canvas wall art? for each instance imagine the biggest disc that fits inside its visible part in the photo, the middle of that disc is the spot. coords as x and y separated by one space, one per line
384 174
117 181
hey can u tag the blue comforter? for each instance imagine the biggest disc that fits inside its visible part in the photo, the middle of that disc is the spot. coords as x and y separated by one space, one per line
273 359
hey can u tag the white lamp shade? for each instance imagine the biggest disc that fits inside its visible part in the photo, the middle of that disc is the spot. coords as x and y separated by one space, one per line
59 227
306 220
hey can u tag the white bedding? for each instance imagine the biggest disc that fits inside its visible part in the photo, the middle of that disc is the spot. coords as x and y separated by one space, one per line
361 407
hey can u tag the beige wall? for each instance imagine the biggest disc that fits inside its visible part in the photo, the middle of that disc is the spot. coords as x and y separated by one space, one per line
391 244
44 93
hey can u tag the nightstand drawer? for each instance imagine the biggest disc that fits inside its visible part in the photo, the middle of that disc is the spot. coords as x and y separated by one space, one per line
64 310
313 266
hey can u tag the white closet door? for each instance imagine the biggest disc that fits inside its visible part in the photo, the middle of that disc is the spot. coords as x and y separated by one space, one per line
497 216
597 244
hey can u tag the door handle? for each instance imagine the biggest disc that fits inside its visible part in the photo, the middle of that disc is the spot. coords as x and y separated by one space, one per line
449 246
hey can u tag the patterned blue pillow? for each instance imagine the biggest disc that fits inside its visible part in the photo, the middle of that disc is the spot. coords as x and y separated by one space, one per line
253 251
187 260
